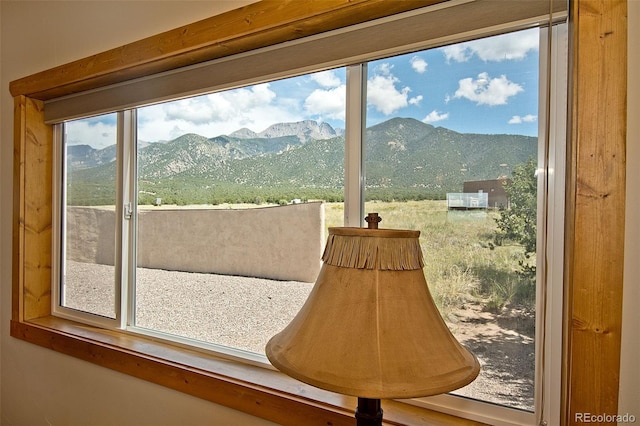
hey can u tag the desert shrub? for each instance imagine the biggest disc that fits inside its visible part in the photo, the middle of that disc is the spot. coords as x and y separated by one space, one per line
517 224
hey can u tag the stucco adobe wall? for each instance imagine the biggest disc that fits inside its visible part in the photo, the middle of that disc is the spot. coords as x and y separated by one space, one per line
282 243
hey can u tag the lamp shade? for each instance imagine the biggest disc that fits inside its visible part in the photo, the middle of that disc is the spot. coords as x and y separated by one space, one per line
369 327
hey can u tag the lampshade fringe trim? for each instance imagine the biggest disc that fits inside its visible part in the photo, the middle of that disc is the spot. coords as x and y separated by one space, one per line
394 254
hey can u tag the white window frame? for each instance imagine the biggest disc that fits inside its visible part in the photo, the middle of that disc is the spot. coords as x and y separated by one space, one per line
550 216
59 203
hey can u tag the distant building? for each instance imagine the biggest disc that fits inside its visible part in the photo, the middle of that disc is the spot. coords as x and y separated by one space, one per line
497 196
466 201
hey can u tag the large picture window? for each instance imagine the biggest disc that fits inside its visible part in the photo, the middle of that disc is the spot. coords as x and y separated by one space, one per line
212 170
202 219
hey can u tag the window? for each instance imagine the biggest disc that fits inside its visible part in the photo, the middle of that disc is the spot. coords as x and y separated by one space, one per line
451 149
89 282
193 184
214 169
176 192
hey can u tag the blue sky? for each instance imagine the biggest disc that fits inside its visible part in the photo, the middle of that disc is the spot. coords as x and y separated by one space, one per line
483 86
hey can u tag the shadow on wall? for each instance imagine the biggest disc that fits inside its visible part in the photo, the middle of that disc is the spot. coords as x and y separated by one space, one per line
280 242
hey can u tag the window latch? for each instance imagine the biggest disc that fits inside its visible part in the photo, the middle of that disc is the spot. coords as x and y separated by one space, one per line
128 211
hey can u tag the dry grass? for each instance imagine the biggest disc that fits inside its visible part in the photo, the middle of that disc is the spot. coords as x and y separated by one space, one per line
460 264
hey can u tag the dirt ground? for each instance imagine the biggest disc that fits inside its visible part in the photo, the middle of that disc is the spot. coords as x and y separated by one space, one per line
504 344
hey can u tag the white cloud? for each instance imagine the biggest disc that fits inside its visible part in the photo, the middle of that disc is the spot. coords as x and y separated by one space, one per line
504 47
382 93
418 64
435 116
327 103
221 106
529 118
487 91
326 78
384 68
197 110
457 53
255 107
416 100
97 134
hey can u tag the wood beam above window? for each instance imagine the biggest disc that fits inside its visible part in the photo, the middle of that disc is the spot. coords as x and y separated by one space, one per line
257 25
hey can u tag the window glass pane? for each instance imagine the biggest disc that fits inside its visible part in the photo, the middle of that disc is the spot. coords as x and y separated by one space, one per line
88 281
235 192
451 148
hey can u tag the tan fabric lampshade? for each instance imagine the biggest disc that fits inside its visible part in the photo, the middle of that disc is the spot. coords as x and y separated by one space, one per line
370 327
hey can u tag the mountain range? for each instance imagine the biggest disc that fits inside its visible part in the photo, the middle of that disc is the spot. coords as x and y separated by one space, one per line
402 155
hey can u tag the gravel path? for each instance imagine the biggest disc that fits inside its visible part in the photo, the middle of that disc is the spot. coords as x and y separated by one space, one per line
240 312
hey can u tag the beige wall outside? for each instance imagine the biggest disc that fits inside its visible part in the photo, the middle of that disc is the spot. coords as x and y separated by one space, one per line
279 243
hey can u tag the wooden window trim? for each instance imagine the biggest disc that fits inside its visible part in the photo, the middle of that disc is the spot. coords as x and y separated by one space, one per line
594 232
595 217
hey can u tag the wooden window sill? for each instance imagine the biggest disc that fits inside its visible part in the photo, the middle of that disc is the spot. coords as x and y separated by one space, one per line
255 390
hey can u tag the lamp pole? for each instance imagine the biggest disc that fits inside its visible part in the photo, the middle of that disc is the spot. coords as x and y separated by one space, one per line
373 220
369 412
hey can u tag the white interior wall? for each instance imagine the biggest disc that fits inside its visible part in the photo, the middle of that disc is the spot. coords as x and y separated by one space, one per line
38 386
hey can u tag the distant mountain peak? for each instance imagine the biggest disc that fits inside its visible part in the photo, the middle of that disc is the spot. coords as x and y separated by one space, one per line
244 133
401 123
188 137
305 130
